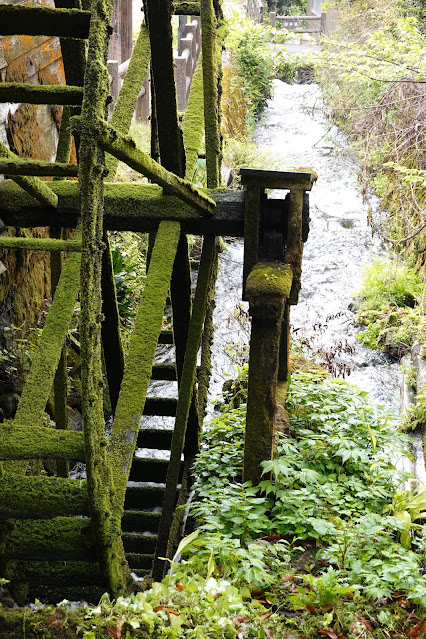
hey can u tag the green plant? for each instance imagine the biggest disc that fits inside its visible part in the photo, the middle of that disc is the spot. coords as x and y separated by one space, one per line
408 508
124 278
391 307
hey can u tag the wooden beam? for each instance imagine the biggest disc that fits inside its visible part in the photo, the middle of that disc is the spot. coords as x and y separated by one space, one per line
11 166
39 244
39 442
40 93
127 207
44 21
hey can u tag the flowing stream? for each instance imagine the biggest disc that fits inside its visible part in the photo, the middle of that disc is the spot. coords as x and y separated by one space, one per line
293 129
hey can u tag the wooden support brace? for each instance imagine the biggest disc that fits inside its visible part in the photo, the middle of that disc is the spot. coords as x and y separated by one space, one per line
126 150
139 363
184 400
40 93
268 287
32 185
210 77
193 121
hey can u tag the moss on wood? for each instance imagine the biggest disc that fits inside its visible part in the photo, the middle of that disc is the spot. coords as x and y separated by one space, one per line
39 244
33 185
185 397
181 8
38 442
44 21
60 538
129 92
25 497
267 286
36 167
193 121
40 93
139 364
125 149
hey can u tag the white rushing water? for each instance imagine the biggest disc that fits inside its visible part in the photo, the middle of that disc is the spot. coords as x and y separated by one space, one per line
293 129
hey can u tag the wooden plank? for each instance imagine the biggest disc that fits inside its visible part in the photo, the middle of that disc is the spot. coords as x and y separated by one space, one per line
302 179
35 58
43 21
39 244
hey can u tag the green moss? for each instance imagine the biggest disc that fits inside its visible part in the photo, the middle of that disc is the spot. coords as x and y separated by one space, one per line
186 8
125 149
39 244
38 442
34 186
40 93
268 285
32 496
129 92
60 538
185 395
211 100
139 364
193 121
45 359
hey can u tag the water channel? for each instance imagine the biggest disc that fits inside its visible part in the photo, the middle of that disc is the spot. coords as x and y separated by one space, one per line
295 132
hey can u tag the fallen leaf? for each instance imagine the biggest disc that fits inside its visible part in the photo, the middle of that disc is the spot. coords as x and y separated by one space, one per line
173 612
327 607
265 615
179 586
269 633
327 632
311 609
157 608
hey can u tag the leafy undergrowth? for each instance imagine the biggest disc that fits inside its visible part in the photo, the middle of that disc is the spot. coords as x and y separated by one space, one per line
326 545
391 307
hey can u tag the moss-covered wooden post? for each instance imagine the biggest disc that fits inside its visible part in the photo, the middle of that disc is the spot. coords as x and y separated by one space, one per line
268 287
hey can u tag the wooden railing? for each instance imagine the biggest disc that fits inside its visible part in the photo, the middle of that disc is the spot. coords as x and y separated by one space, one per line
189 47
315 22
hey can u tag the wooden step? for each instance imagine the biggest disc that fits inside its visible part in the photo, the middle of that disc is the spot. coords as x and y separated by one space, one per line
155 438
44 21
139 543
140 520
60 539
166 337
149 469
42 497
161 406
165 372
54 572
37 442
139 563
144 496
73 592
40 93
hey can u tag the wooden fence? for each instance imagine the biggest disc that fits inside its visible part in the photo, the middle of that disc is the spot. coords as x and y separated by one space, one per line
189 47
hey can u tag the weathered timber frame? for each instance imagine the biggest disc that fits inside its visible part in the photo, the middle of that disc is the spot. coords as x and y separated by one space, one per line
26 201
